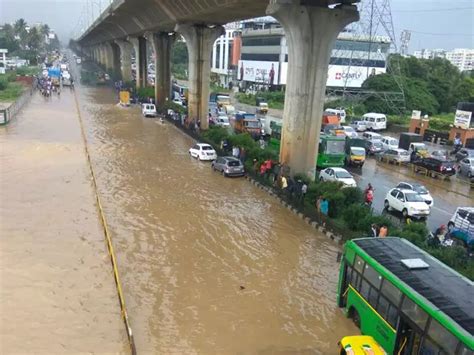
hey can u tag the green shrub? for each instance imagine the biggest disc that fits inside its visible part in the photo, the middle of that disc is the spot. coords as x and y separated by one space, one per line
145 92
216 134
3 82
354 215
415 232
352 195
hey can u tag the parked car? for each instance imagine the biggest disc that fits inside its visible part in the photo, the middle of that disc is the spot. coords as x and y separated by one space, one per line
337 174
408 202
464 153
178 102
389 143
149 110
371 136
350 132
466 166
222 121
440 154
202 151
359 126
228 166
373 147
396 155
418 188
375 121
444 167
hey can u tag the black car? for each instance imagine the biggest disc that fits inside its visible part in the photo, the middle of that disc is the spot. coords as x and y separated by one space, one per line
444 167
464 153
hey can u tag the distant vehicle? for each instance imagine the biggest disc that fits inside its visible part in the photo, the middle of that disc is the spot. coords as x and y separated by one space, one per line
178 102
408 202
350 132
418 188
262 108
331 151
464 153
397 155
359 126
337 174
355 151
444 167
222 121
375 121
339 112
371 136
334 129
419 148
407 138
360 345
389 143
461 226
269 123
223 100
203 151
440 154
229 109
373 147
466 166
329 119
149 110
247 123
228 166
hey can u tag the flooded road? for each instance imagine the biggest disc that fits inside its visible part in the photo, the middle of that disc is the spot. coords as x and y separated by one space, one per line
57 293
209 265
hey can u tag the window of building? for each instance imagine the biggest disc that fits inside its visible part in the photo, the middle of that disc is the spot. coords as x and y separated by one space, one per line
264 57
414 312
356 62
261 41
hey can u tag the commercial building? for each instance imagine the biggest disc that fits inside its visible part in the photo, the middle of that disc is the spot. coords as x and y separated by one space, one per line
263 58
429 53
462 58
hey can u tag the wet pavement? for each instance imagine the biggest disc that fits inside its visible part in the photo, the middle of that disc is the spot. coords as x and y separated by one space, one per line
56 286
209 265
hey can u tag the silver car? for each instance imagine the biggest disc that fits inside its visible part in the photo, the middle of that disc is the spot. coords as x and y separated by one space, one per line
228 166
396 155
466 166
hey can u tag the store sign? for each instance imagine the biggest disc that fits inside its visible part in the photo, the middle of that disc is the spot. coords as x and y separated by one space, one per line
415 115
258 72
462 119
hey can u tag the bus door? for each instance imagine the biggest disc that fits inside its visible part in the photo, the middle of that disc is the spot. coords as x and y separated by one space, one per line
408 337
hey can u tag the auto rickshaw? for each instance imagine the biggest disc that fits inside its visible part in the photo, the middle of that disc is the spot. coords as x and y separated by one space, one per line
360 345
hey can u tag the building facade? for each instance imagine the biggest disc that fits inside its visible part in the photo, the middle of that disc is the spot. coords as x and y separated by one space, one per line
462 58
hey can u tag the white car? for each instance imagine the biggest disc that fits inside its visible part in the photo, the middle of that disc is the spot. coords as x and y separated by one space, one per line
203 151
389 143
419 188
359 126
337 174
408 202
178 102
222 121
371 136
149 110
350 132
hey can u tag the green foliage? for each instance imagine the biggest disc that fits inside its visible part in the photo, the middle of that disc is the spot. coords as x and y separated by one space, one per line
415 233
216 134
354 214
3 82
145 92
274 99
11 92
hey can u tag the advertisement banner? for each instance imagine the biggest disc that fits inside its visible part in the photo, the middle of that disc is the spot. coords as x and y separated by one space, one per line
462 119
340 75
258 72
415 115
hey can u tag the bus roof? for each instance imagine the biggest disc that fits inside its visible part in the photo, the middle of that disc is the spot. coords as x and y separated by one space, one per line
446 289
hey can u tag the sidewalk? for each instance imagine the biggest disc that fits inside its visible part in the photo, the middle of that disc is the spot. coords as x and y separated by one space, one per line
57 289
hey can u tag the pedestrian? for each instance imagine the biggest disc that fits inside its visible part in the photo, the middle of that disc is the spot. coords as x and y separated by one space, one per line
235 152
263 170
373 230
324 206
383 231
243 155
318 205
284 183
255 166
262 143
304 189
369 194
275 173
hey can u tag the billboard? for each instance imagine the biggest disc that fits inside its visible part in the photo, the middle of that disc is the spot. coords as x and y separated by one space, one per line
258 72
340 75
462 119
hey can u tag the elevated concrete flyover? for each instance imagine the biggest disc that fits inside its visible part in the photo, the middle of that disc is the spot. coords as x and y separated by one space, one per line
311 27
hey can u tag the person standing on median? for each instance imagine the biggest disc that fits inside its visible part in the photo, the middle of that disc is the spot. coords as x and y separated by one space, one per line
324 206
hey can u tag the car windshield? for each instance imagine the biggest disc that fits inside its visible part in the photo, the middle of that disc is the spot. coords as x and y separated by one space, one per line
206 147
343 175
233 163
357 151
412 197
420 189
335 147
224 119
252 124
377 144
348 129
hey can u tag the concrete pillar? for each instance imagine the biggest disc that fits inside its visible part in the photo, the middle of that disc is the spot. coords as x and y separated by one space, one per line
115 69
161 43
199 40
107 56
125 59
311 32
141 72
102 56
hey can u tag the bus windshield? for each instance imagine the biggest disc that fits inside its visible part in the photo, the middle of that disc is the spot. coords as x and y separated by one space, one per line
335 146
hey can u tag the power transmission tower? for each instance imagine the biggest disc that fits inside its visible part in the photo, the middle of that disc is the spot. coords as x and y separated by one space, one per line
375 40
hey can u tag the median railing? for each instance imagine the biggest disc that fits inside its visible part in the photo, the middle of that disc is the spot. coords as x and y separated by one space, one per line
7 114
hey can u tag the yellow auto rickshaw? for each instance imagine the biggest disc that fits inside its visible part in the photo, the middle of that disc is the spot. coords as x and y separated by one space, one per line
360 345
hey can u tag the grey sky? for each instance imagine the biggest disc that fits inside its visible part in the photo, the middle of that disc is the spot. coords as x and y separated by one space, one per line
435 23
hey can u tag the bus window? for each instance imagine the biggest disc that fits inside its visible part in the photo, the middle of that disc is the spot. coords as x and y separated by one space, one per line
414 313
388 311
359 264
465 351
372 276
391 292
442 336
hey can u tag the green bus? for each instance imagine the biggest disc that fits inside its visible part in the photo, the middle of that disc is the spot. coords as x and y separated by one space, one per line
410 302
331 152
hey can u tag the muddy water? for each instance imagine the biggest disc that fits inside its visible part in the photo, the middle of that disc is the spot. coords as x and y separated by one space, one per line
57 294
209 265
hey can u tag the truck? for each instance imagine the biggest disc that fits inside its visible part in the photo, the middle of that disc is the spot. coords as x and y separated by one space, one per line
262 105
413 143
223 100
247 123
355 151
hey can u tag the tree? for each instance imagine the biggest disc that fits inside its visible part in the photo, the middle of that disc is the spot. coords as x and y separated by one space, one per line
7 38
20 26
34 39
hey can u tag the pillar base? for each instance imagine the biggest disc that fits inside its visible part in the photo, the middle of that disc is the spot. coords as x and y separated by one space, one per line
162 43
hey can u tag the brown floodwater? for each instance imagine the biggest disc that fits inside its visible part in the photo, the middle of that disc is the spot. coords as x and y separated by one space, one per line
209 265
57 293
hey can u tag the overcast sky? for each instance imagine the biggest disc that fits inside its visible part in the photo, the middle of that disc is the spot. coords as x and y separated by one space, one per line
444 24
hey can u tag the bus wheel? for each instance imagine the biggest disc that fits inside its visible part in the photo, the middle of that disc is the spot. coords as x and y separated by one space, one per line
355 317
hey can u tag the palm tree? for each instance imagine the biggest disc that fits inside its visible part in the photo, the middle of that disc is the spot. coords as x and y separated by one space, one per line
45 30
19 26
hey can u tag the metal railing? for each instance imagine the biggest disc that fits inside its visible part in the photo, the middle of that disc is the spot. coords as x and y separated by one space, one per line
6 115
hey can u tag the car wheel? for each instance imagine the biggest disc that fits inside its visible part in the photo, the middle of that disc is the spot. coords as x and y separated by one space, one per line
386 204
405 213
450 226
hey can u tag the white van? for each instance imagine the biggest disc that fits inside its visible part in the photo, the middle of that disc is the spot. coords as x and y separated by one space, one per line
149 110
375 121
339 112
